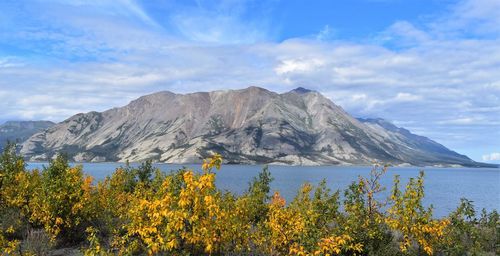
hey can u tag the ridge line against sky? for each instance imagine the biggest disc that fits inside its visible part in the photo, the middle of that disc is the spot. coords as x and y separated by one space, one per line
427 65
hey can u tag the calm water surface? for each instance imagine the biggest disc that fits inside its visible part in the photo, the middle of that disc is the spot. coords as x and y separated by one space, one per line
443 186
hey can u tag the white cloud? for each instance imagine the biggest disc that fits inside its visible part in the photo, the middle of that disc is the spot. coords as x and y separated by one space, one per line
492 157
221 22
405 34
298 66
476 16
217 29
8 62
470 121
129 8
407 97
459 121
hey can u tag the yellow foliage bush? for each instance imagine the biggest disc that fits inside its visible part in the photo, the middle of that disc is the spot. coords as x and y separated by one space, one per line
142 211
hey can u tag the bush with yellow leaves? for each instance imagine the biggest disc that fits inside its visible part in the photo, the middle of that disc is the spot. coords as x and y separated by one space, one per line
62 202
143 211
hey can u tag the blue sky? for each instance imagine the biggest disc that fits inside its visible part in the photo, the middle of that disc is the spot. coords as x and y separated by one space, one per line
431 66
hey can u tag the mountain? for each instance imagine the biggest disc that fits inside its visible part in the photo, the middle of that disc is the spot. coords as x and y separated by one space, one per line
19 131
412 148
251 125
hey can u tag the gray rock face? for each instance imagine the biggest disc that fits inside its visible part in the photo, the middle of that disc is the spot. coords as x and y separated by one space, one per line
252 125
19 131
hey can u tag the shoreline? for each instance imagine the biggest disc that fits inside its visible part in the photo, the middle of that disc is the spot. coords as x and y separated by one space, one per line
493 166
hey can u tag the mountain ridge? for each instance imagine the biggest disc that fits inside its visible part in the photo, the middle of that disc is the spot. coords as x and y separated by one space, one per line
251 125
19 131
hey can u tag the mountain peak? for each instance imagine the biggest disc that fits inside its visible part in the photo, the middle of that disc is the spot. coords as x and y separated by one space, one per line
255 88
16 131
301 90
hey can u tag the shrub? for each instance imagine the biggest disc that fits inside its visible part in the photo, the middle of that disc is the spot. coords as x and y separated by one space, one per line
62 203
141 210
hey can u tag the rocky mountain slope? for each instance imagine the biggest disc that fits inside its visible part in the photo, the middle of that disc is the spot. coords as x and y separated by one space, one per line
251 125
19 131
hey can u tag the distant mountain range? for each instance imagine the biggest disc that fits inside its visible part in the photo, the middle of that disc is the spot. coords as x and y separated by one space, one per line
20 131
247 126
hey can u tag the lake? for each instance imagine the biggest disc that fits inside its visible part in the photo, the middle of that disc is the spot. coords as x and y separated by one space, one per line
443 186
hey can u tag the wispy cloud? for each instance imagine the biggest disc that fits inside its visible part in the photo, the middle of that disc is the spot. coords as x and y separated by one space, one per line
222 22
326 33
473 17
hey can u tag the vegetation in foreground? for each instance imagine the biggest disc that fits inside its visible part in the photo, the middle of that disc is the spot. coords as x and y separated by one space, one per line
138 211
